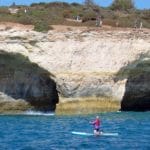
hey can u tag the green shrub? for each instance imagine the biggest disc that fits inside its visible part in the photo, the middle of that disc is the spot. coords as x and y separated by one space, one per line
122 5
42 26
145 14
57 4
38 4
67 13
89 15
75 4
26 20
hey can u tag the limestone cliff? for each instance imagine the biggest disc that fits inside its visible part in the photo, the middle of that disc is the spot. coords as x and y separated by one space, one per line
137 88
85 62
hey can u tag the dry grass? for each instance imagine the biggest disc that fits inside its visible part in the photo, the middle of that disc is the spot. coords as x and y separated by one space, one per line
86 105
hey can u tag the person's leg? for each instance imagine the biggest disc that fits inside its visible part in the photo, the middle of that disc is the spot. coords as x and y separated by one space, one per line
96 132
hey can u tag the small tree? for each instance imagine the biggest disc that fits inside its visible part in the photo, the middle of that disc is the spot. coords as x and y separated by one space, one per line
122 4
89 2
13 4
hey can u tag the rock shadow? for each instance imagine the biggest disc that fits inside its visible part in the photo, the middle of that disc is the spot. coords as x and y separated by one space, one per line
22 79
137 88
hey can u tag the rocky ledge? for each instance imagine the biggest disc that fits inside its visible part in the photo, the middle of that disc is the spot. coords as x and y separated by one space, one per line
75 63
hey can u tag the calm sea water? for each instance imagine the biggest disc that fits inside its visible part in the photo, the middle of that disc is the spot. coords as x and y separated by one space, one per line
50 132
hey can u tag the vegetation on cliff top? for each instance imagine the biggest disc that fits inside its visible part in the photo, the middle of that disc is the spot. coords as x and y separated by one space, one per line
121 13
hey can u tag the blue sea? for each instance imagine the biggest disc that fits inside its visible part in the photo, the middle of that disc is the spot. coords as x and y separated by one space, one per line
38 131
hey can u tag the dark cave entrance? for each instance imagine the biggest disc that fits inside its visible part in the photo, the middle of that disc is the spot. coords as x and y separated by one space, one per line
22 79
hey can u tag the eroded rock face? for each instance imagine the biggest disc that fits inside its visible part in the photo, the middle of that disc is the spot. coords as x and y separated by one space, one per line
89 85
21 79
84 62
137 89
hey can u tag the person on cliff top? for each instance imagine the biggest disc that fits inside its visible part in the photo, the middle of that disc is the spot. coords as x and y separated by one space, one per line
96 123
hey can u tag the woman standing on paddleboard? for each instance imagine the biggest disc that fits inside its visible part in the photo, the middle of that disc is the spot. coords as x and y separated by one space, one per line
96 123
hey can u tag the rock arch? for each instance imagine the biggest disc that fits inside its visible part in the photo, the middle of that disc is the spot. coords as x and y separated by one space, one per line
22 79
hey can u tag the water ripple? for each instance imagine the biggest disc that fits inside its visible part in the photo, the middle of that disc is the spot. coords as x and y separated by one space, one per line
50 132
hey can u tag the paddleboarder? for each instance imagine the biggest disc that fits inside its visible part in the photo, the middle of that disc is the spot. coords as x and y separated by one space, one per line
96 123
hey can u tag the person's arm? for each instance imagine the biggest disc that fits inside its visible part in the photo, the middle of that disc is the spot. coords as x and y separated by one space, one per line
92 122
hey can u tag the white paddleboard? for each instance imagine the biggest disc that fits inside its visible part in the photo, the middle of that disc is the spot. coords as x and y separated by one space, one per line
91 134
